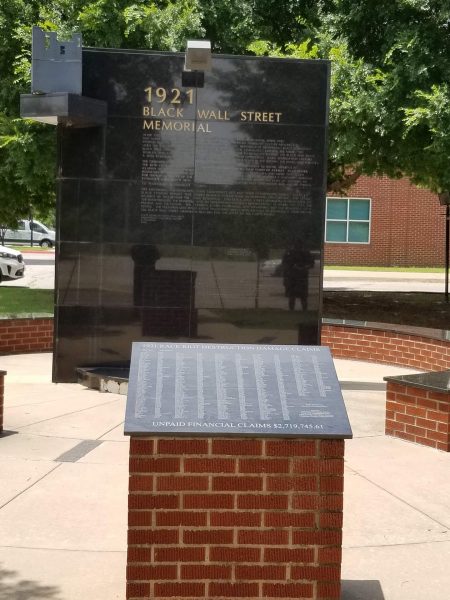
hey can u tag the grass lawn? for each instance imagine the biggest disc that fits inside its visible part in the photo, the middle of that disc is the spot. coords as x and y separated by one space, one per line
35 248
19 300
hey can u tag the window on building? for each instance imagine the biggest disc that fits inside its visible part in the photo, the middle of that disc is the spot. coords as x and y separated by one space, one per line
348 220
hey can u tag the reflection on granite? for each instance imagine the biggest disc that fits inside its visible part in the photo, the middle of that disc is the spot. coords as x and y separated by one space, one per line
428 332
436 381
168 214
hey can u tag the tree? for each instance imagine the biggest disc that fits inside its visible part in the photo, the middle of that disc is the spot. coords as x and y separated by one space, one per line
27 148
408 42
27 156
356 107
390 74
390 109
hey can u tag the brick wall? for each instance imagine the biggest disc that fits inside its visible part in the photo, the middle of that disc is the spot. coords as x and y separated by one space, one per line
2 396
384 346
345 341
235 518
407 227
418 415
26 335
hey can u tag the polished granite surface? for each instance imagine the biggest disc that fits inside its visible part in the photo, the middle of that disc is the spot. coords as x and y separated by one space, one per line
437 381
170 215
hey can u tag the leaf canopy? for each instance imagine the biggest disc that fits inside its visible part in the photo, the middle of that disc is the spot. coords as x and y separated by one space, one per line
390 89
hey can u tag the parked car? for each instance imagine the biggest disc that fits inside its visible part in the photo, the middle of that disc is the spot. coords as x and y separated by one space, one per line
42 235
11 263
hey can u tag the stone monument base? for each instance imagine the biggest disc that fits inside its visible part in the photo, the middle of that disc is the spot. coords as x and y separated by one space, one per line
235 518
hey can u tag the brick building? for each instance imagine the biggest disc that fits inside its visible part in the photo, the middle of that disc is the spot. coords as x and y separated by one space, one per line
385 222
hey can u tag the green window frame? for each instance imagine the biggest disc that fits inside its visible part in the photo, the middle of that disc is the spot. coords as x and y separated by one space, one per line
348 220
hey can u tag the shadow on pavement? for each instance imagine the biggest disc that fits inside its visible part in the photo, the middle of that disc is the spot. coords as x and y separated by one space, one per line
23 589
360 590
6 433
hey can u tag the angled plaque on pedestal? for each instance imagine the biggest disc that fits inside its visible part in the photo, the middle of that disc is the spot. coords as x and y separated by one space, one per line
234 389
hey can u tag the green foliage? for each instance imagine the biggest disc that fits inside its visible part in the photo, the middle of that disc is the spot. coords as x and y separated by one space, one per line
409 42
162 28
356 107
428 125
389 88
28 149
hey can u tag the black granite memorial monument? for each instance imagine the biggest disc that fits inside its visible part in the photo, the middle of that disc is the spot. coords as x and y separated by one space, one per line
196 213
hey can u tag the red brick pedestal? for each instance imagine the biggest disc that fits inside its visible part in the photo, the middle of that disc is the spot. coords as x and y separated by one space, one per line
235 518
418 414
2 395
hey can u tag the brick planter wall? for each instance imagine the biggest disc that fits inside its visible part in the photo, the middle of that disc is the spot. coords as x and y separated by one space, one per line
21 335
235 518
2 396
384 346
418 415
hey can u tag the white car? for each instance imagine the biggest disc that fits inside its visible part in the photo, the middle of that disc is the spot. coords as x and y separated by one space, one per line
26 230
11 263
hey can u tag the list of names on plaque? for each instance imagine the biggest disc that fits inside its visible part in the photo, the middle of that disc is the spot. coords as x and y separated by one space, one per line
242 387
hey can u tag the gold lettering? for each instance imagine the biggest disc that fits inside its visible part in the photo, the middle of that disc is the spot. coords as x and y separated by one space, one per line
151 124
159 125
159 112
212 115
176 96
258 117
203 128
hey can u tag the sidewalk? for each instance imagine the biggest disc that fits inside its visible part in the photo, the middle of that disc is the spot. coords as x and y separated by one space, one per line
384 281
63 496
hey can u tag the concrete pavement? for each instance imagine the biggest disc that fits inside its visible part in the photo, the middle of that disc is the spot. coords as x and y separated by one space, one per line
384 281
63 497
